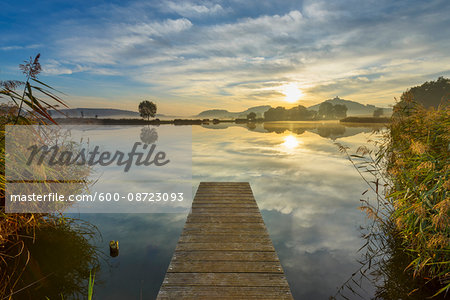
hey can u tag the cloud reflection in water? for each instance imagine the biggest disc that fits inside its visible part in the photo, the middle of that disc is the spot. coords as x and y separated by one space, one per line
307 191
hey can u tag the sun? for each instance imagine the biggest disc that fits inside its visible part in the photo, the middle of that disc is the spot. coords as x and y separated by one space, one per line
292 93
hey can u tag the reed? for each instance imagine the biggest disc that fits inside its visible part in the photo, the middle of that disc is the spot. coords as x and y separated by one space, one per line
418 165
91 285
29 103
408 174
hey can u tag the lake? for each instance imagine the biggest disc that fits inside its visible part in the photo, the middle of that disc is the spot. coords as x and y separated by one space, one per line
307 191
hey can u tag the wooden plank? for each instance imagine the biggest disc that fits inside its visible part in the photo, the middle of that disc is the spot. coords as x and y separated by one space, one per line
225 200
225 279
225 246
204 292
235 226
201 266
231 231
213 213
224 194
225 209
224 238
225 255
223 219
222 205
224 251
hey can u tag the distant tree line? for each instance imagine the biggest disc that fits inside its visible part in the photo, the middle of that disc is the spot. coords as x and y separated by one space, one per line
327 111
378 112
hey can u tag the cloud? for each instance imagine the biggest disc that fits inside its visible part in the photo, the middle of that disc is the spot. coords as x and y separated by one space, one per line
189 9
158 28
361 51
10 48
54 67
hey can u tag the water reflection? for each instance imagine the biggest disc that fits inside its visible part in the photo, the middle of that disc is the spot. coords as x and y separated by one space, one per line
332 130
308 194
327 129
148 135
307 191
290 142
147 242
61 257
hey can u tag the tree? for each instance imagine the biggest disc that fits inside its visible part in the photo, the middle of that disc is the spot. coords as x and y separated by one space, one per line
340 111
275 114
326 110
147 109
429 94
312 114
298 113
378 112
251 116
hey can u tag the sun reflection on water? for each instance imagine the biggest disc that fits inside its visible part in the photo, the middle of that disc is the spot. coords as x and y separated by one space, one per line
290 142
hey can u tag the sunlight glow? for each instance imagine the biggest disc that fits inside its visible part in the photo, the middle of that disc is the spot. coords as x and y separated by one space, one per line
290 142
292 93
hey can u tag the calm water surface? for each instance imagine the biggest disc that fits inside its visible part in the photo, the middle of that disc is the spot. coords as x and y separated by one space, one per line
307 191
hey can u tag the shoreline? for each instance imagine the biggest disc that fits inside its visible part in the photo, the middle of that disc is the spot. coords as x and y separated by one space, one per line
178 122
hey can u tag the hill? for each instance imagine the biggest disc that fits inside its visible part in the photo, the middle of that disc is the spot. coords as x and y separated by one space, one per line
225 114
354 108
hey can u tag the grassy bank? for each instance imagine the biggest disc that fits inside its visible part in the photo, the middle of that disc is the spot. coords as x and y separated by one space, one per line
107 121
29 102
408 234
365 120
417 156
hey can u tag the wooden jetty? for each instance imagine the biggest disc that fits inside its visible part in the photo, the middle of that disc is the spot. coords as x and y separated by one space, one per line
224 251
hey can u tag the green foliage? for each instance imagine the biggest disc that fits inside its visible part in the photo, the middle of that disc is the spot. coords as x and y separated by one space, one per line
91 285
300 113
378 112
297 113
325 110
59 260
275 114
329 111
251 116
19 231
411 212
418 167
429 94
340 111
36 96
147 109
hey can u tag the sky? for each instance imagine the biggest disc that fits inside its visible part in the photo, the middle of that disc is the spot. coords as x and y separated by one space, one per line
188 56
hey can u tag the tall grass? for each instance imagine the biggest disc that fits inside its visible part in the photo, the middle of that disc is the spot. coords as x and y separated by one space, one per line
410 213
29 101
60 261
91 285
418 166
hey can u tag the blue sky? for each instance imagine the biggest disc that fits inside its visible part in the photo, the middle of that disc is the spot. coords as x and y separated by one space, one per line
188 56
